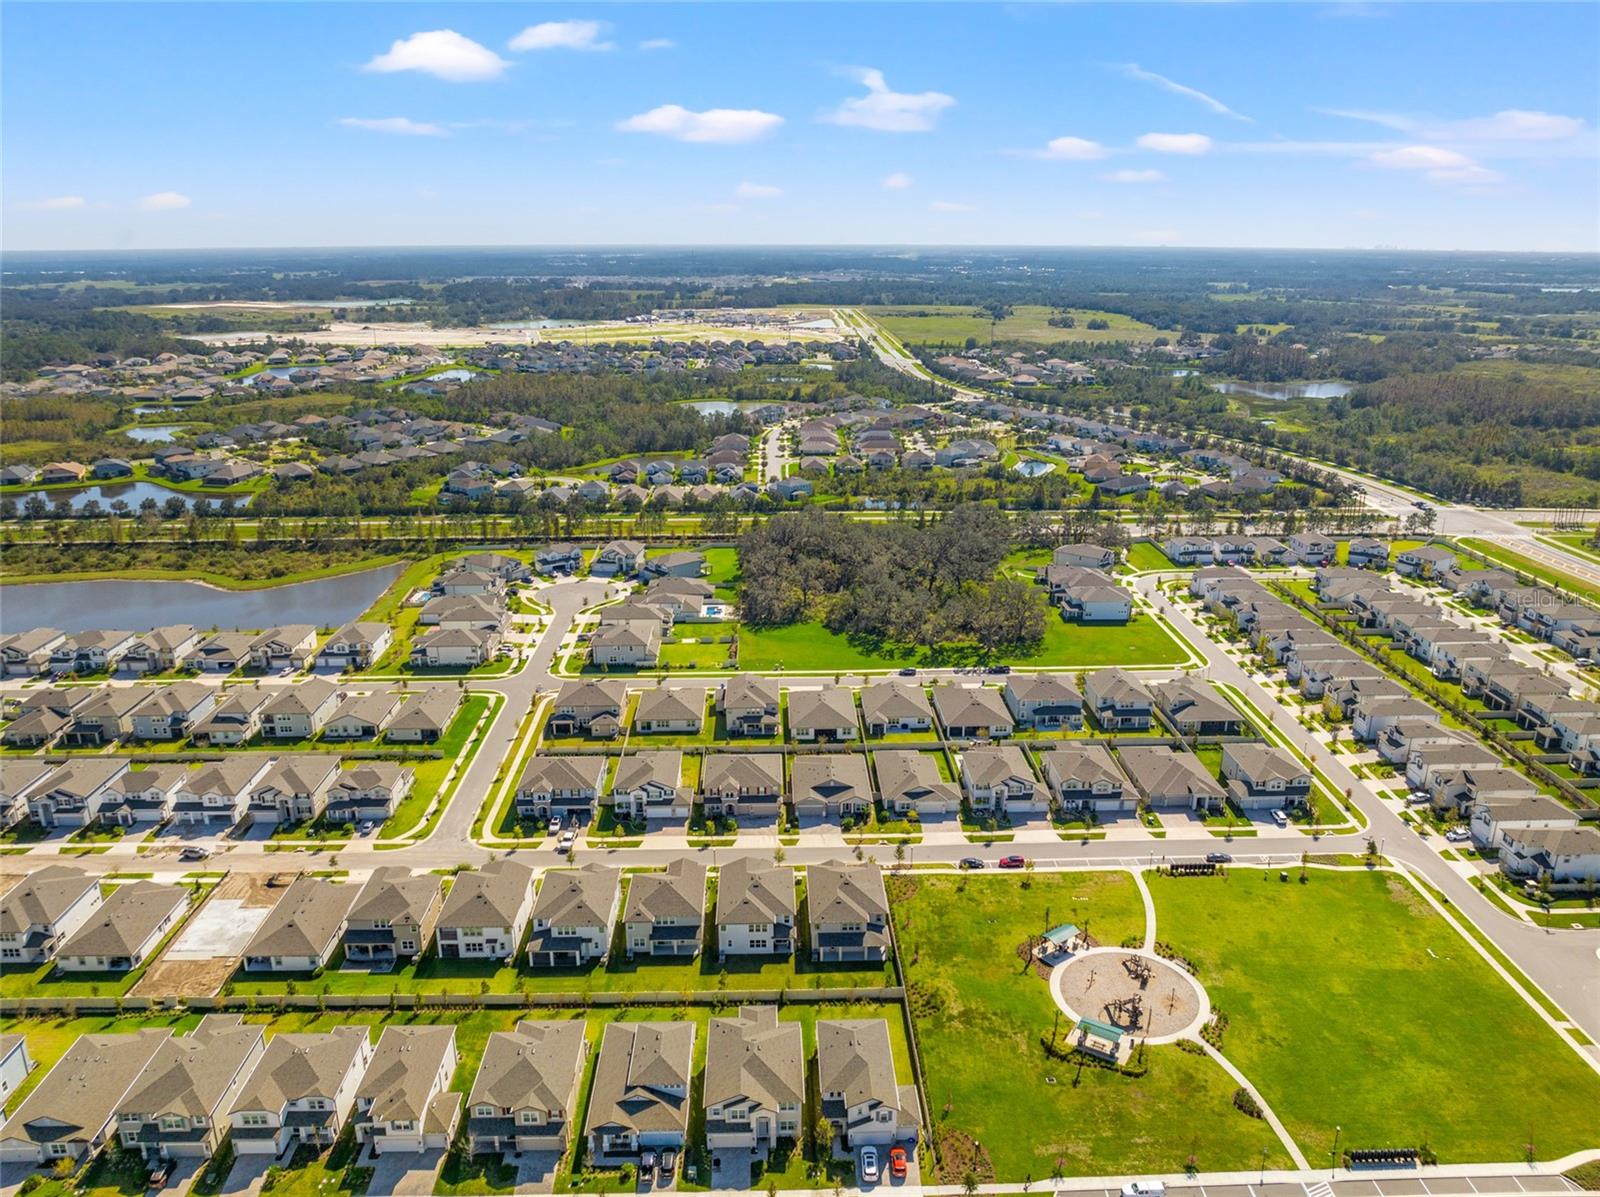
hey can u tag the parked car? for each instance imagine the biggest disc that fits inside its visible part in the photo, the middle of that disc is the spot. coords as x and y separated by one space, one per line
999 669
972 862
669 1163
568 838
1281 819
869 1164
647 1162
908 672
1218 858
1011 862
555 824
1144 1188
897 1161
193 854
1456 834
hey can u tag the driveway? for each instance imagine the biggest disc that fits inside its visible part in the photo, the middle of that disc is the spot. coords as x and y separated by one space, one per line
730 1167
244 1179
404 1173
536 1172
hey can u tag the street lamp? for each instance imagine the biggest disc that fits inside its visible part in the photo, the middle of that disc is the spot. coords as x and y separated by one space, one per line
1333 1164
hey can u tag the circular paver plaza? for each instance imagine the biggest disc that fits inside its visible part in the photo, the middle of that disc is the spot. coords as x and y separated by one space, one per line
1172 1003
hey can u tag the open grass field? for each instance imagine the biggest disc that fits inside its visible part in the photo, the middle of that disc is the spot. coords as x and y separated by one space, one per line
1352 1004
952 324
979 1017
810 646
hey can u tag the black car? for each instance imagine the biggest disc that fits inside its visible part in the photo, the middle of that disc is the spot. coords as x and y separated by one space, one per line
999 669
971 862
908 672
1218 858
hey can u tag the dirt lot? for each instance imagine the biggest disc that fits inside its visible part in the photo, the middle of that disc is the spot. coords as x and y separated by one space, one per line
205 953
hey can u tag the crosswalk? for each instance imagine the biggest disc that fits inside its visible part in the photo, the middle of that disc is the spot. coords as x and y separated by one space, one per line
1321 1189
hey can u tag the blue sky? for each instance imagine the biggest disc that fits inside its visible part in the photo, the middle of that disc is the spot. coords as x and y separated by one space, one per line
1427 126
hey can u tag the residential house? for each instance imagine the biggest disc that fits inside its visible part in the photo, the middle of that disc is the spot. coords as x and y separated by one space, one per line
1084 556
370 792
293 790
649 785
1424 561
105 717
302 1091
16 1065
236 719
357 645
1495 822
72 1111
573 917
1043 701
755 912
824 714
526 1091
847 910
676 710
665 911
830 785
909 780
173 712
895 708
754 1083
1312 548
363 716
1366 553
999 779
640 1095
73 794
163 649
619 558
1118 700
567 786
28 653
404 1102
1168 779
1194 709
588 707
744 785
629 644
486 913
1084 779
559 559
292 646
143 797
218 793
1568 857
42 910
125 930
301 933
178 1107
425 717
1263 777
856 1084
749 705
299 712
972 712
682 564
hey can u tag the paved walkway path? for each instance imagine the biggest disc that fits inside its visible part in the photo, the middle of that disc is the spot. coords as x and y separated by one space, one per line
1278 1128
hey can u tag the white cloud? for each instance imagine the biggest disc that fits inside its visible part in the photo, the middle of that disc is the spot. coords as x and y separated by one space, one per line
164 201
1134 176
402 126
1518 124
658 43
442 53
1133 70
1175 143
757 191
1439 164
889 111
898 181
714 124
1389 120
59 203
1070 149
950 206
563 35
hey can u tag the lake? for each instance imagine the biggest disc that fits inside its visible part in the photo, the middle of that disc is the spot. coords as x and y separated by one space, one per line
139 606
459 374
131 493
714 407
1286 390
150 433
1032 468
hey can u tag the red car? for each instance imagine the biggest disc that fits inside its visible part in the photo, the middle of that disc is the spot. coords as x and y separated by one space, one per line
1011 862
897 1161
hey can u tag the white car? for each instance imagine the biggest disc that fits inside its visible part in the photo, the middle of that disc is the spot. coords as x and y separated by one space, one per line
1456 834
869 1163
568 838
1144 1188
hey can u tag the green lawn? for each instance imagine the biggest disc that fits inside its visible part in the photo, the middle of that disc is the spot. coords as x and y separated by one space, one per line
430 773
810 646
1415 1040
1142 554
980 1015
952 324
